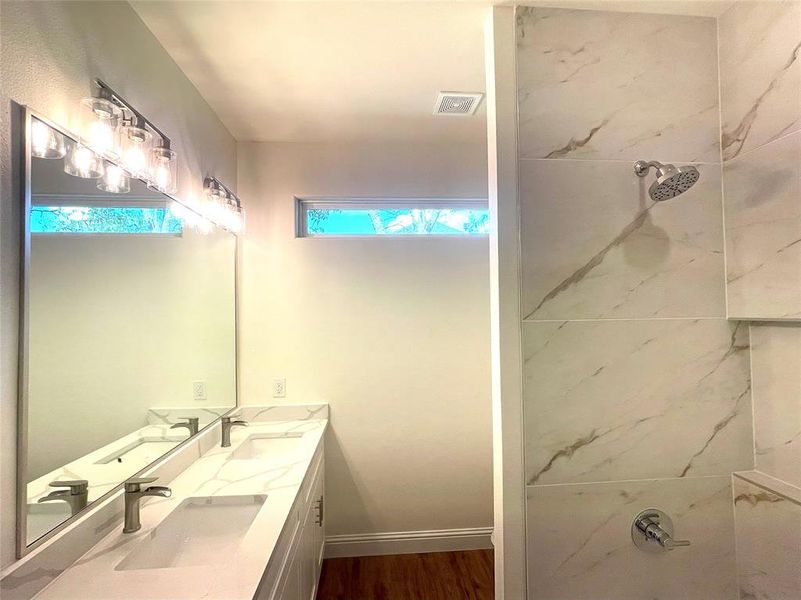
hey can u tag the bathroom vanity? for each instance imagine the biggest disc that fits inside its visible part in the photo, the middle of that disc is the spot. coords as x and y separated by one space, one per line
129 303
247 521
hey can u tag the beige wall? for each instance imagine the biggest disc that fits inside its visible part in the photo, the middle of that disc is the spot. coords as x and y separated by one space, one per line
393 333
49 52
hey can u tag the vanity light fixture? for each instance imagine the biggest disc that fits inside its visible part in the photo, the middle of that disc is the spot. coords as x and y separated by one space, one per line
222 206
117 130
46 142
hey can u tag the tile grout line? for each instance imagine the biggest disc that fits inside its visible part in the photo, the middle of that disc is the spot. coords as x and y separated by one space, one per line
767 144
616 481
612 320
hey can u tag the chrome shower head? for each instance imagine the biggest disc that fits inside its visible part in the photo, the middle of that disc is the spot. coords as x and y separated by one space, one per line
670 179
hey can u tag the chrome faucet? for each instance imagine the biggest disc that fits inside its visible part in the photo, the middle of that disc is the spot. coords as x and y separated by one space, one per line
133 494
76 496
227 423
192 424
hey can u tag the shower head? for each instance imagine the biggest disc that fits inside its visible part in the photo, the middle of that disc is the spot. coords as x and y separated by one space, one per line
670 179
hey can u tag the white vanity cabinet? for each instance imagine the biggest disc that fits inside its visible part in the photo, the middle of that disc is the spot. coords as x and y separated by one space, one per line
294 568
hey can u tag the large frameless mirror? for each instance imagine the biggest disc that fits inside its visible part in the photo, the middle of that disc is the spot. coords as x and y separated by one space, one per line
128 329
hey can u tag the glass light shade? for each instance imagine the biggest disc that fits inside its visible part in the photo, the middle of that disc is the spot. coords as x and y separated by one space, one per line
230 216
115 180
238 221
102 128
82 162
45 142
214 204
135 148
163 171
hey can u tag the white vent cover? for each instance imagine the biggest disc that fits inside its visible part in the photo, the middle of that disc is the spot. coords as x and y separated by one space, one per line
457 103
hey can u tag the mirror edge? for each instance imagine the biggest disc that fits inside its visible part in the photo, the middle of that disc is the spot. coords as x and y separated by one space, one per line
24 116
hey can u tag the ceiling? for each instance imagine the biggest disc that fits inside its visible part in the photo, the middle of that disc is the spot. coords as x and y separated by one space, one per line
370 70
328 71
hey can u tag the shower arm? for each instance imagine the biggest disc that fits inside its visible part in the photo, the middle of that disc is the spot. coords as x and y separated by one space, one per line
642 167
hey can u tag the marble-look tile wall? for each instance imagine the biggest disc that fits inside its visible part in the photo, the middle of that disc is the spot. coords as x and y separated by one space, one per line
637 390
760 90
768 533
776 371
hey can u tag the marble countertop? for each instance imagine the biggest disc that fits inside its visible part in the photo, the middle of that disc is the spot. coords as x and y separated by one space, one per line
234 575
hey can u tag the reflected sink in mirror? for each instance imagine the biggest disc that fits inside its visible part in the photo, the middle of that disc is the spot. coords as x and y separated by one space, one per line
264 445
142 451
198 532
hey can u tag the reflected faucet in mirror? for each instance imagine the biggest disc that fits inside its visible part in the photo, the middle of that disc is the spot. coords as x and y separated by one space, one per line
76 495
192 424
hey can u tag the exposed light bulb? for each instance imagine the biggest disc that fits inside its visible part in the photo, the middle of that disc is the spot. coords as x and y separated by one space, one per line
162 177
103 118
135 159
101 136
135 148
46 143
115 180
236 223
163 170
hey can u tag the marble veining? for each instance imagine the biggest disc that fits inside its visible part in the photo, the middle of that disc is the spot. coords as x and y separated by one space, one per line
763 231
760 73
631 65
768 541
776 371
639 258
614 400
580 541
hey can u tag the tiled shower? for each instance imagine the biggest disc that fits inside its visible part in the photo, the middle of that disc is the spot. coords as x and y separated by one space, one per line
661 366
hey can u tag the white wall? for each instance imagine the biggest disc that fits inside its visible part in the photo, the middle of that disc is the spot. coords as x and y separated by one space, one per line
49 53
393 333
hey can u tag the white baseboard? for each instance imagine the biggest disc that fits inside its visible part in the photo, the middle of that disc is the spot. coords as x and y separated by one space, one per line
408 542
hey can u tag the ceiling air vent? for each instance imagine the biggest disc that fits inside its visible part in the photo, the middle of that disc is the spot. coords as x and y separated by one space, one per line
457 103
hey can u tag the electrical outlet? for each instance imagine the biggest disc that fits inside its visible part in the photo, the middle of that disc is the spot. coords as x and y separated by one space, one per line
279 388
199 390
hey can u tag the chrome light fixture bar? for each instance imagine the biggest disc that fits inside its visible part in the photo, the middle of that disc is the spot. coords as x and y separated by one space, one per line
118 130
222 206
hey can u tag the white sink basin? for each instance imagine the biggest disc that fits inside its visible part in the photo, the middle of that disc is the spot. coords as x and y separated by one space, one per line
198 532
264 445
141 451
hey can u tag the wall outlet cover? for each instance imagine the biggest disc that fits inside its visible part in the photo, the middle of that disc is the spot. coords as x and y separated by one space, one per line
279 387
199 390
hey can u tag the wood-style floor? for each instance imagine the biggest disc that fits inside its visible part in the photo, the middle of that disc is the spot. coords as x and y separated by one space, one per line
433 576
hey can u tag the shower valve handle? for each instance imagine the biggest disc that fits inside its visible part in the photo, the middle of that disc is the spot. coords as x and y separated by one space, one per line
652 531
